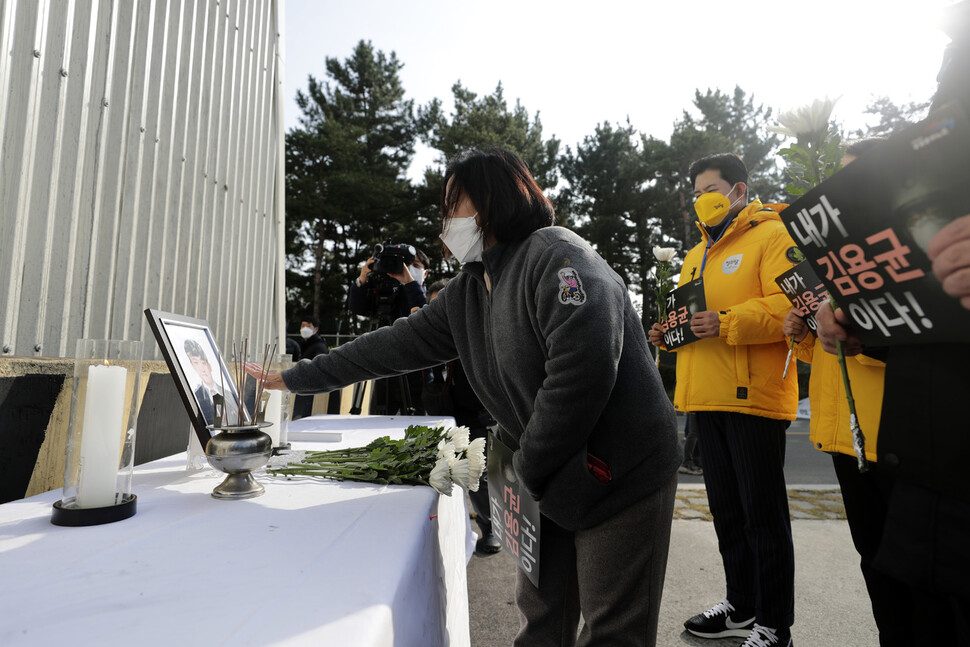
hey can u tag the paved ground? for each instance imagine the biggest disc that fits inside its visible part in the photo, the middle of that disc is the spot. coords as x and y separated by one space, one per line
831 605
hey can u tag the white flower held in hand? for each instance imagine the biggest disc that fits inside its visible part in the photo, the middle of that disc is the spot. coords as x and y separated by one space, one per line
805 121
664 254
440 477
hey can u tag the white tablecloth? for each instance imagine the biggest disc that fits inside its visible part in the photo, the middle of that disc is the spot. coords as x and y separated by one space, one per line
308 563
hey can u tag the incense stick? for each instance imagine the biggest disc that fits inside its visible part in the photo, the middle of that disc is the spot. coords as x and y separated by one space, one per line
240 362
268 354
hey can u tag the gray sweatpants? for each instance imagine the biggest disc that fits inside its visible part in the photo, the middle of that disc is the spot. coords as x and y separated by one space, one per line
613 573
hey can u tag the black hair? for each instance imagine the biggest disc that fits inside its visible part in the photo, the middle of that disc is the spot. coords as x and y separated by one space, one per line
421 256
194 349
862 146
730 166
437 286
310 319
509 202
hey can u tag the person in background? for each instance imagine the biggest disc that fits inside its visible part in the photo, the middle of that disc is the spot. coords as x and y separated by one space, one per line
730 380
864 494
408 294
692 452
293 348
405 296
555 350
312 344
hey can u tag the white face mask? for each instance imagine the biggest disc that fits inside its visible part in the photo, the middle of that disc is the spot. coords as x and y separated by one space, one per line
306 333
417 274
464 239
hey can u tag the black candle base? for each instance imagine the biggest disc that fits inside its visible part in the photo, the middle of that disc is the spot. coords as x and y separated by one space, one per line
62 516
281 449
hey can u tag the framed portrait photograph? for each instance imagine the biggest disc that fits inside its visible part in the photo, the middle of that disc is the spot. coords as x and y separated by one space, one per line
197 367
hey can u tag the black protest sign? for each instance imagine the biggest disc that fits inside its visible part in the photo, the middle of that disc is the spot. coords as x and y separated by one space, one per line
866 230
805 291
682 303
515 514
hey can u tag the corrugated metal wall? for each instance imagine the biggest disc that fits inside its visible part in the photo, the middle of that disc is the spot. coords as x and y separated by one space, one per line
141 166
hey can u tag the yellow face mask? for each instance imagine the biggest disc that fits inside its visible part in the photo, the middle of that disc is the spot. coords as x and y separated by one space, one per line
712 207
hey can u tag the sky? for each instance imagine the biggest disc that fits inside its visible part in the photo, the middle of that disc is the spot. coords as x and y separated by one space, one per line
579 64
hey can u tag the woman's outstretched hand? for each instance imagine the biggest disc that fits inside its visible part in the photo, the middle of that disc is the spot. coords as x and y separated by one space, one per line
270 380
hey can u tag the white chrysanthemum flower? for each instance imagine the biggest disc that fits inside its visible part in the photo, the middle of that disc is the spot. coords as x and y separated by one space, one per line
460 473
459 436
440 478
476 462
664 254
806 121
446 450
781 130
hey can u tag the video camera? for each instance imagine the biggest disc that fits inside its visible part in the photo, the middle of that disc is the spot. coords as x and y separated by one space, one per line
389 259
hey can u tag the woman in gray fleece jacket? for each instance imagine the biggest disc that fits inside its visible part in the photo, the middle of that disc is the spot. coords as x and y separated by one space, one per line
554 349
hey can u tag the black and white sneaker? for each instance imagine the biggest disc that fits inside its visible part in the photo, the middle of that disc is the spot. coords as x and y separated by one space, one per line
722 621
768 637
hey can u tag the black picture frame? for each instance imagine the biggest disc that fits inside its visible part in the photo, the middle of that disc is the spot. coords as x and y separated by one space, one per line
174 332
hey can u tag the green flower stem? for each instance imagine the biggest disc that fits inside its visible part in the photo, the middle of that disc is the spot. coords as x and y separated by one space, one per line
383 461
858 438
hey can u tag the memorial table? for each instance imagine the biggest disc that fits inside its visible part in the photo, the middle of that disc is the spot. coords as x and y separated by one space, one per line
308 563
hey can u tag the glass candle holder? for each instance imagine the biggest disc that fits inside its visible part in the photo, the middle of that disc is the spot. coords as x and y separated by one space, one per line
101 435
277 406
282 363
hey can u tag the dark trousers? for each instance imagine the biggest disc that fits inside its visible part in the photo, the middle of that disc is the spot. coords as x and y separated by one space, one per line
692 453
480 504
925 545
744 460
613 572
866 498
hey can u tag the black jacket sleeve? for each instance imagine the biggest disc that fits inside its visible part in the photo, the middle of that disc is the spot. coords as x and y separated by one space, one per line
414 297
359 303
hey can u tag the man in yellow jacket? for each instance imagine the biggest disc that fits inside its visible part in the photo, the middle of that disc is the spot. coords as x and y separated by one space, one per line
732 379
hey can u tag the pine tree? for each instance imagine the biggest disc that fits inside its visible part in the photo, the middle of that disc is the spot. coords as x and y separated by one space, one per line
345 177
727 124
477 123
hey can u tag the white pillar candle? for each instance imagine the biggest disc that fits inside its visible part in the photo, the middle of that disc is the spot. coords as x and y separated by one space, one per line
101 434
274 414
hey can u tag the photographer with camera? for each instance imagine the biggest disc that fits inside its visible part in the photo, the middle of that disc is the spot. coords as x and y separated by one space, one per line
390 284
393 276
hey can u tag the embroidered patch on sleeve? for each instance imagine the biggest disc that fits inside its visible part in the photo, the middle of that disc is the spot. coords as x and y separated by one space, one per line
794 255
571 287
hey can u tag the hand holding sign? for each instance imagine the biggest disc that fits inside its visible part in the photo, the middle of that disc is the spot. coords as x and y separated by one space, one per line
794 326
950 252
867 232
805 291
706 324
835 325
683 306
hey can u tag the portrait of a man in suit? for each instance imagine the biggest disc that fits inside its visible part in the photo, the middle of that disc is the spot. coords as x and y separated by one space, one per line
209 387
